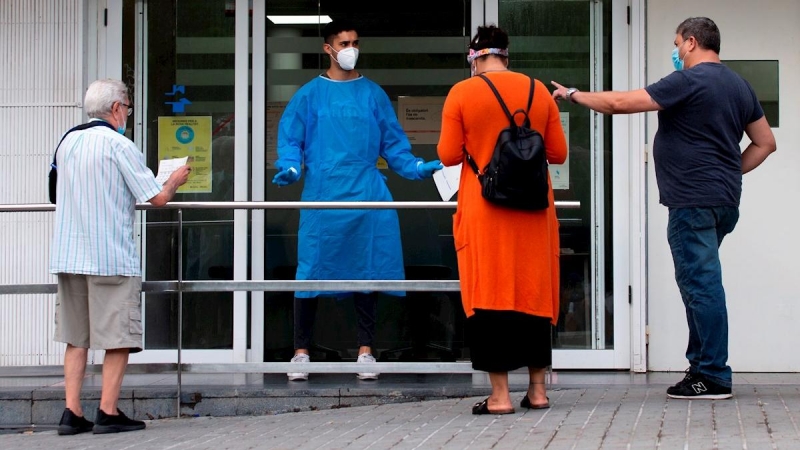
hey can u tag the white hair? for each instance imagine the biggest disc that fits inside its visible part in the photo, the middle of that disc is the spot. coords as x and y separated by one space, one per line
101 96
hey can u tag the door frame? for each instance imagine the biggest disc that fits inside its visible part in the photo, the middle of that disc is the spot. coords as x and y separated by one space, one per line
628 192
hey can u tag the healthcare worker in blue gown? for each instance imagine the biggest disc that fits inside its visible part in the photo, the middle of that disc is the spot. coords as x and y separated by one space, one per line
332 132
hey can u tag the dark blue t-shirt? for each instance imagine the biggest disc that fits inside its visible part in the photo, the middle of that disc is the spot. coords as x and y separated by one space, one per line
696 149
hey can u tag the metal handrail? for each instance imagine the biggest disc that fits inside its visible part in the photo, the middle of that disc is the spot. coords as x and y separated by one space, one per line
180 286
43 207
266 285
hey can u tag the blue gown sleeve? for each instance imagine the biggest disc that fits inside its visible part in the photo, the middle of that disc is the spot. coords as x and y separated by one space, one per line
292 133
395 147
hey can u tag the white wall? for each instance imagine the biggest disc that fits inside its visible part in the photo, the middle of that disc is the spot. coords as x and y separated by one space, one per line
41 46
761 270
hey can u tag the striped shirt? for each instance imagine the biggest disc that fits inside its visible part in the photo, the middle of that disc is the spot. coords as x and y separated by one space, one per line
101 176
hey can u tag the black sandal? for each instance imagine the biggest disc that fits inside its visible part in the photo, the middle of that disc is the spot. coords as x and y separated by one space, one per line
526 403
483 408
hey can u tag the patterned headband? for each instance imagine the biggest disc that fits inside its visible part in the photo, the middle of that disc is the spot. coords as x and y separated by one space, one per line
474 54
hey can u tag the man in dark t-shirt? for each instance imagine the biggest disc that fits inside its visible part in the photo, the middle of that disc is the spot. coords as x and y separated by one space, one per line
704 108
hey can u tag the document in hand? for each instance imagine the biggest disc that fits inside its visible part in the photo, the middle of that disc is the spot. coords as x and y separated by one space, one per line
167 166
447 181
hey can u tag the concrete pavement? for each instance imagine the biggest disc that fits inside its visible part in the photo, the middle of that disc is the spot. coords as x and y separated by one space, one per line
764 413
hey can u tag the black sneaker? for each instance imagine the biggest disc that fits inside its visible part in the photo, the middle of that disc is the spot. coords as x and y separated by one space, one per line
71 424
115 424
696 386
687 379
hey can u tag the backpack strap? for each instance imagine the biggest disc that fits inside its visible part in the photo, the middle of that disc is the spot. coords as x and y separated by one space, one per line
472 163
83 126
530 103
510 116
503 104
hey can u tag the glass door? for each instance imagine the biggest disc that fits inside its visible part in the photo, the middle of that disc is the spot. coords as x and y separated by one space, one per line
416 52
416 57
190 77
570 42
186 57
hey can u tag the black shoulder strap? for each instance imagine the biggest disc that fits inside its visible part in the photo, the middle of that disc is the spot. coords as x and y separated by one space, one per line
502 103
471 161
500 99
83 126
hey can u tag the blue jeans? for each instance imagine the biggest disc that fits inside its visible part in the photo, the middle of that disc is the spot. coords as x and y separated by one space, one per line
694 236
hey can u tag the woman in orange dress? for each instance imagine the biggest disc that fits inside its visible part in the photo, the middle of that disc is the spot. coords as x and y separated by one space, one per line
508 259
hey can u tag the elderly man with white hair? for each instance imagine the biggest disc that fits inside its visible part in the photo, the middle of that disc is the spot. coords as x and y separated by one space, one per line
101 177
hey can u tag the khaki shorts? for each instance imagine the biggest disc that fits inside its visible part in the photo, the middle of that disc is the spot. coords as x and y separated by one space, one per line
99 312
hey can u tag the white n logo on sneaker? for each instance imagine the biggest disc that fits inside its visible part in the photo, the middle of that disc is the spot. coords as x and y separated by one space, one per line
699 388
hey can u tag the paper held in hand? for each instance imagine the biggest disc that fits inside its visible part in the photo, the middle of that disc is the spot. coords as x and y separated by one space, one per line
167 166
447 181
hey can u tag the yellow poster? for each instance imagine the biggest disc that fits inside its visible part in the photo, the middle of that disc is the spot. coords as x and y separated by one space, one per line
188 136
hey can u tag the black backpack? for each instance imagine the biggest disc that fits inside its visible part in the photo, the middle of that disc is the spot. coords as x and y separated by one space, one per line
54 169
516 176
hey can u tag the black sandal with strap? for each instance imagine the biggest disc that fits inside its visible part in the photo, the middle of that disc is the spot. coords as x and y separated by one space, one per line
483 408
526 403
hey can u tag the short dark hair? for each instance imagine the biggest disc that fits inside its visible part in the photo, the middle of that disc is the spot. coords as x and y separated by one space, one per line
335 27
703 29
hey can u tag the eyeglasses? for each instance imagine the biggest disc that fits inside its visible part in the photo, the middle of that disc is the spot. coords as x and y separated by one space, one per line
130 108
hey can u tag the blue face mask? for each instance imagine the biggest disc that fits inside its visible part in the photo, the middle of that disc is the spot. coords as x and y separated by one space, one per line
677 62
121 129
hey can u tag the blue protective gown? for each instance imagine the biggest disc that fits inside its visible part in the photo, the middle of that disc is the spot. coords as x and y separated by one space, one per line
336 130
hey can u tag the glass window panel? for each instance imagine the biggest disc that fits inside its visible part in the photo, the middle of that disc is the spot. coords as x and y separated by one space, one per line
190 57
552 40
763 76
415 48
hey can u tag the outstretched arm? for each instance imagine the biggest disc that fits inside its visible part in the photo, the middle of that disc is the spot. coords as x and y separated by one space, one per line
610 102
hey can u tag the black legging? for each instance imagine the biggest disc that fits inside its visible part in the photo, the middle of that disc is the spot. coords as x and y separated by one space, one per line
305 312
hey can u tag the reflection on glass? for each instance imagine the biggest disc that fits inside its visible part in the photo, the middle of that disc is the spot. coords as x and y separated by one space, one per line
552 40
763 76
411 50
191 65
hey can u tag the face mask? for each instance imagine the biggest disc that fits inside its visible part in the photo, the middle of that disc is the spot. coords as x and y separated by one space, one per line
121 129
677 62
347 58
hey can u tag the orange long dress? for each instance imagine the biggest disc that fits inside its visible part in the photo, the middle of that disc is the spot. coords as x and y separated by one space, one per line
508 259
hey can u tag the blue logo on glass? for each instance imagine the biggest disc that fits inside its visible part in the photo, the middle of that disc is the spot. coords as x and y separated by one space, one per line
184 135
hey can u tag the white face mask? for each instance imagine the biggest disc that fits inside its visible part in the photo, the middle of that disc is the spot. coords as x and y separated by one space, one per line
347 58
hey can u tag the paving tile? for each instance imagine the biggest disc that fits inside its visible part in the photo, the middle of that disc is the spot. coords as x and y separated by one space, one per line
409 415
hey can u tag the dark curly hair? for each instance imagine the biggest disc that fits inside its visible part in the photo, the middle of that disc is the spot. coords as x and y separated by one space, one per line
489 37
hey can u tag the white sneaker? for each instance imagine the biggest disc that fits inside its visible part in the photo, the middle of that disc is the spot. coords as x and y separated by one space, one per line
299 359
367 358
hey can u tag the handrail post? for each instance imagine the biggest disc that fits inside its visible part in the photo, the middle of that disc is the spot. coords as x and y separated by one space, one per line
180 306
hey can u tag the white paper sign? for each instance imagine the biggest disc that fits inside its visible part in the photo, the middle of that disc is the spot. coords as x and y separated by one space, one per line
447 181
559 173
421 118
167 166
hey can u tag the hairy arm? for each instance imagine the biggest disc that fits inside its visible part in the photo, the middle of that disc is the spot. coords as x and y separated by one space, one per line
610 102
